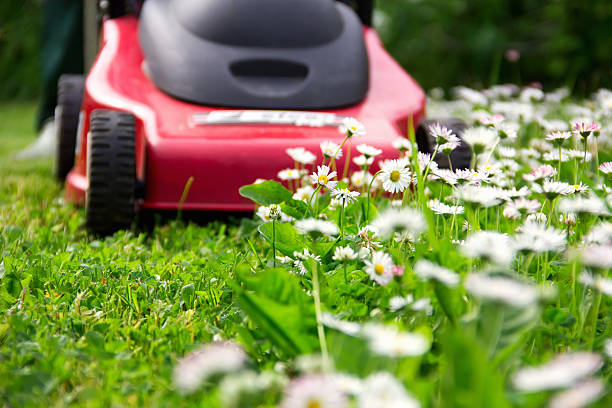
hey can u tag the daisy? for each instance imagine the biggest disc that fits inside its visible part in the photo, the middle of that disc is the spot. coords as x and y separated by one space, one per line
449 177
347 383
477 195
400 220
197 367
345 195
441 133
289 174
585 129
313 391
399 302
506 152
448 147
600 234
501 289
234 389
519 207
556 156
344 254
553 189
272 213
403 145
492 120
490 245
363 161
604 285
564 371
424 160
430 271
531 94
301 257
440 208
543 172
343 326
395 176
368 151
506 130
303 193
361 178
301 155
581 205
352 127
380 268
580 395
323 177
597 256
535 237
558 137
480 138
314 225
423 305
330 149
578 154
367 235
382 390
471 95
606 168
389 341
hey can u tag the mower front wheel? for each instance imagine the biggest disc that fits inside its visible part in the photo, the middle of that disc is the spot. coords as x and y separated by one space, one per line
69 98
110 203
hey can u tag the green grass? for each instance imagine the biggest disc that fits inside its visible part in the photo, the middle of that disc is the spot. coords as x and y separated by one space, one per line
89 321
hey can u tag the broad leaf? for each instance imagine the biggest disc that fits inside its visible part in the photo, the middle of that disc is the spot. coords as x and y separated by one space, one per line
266 193
287 238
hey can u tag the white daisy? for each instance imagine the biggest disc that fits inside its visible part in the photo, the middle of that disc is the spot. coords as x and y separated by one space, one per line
553 189
558 137
536 237
440 208
399 302
324 178
301 155
427 270
564 371
345 195
195 368
395 176
389 341
352 127
289 174
521 206
402 144
441 134
272 212
606 168
303 193
480 138
380 268
314 225
400 220
313 391
479 195
582 205
507 130
501 289
343 326
490 245
363 161
344 254
305 255
382 390
600 234
330 149
597 256
543 172
368 151
361 178
604 285
579 396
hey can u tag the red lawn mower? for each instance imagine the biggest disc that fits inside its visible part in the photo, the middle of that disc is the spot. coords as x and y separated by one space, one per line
216 90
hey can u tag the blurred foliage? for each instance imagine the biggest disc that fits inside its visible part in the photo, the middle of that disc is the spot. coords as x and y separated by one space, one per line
20 26
450 42
440 42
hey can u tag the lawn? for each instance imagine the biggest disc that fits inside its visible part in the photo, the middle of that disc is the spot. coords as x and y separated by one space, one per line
480 288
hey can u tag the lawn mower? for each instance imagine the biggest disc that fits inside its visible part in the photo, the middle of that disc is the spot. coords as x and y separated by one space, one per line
215 91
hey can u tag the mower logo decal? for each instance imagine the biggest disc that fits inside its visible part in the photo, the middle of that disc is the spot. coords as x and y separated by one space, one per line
229 117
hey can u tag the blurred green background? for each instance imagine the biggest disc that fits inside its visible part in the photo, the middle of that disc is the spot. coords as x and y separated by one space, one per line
440 42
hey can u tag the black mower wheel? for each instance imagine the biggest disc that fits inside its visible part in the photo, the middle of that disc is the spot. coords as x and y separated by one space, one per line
460 158
69 98
111 170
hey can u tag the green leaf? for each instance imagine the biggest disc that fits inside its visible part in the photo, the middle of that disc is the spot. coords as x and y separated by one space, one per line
287 240
266 193
295 208
275 302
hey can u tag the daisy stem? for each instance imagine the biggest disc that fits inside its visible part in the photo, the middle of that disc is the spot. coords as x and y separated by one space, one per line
367 211
345 275
429 164
584 164
347 161
559 166
311 197
274 243
317 304
342 221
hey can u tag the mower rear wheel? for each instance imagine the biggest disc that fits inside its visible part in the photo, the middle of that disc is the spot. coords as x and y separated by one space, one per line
110 203
69 98
460 158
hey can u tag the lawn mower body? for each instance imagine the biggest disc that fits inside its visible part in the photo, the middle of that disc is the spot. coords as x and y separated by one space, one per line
223 148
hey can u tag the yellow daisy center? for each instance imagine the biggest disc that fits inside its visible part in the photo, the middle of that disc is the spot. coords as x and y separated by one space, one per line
323 180
379 269
395 176
353 129
576 186
314 404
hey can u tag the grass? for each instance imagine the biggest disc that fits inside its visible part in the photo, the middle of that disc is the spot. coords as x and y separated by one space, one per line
91 321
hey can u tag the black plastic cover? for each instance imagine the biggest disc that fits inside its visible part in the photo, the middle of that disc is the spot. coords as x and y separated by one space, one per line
278 54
